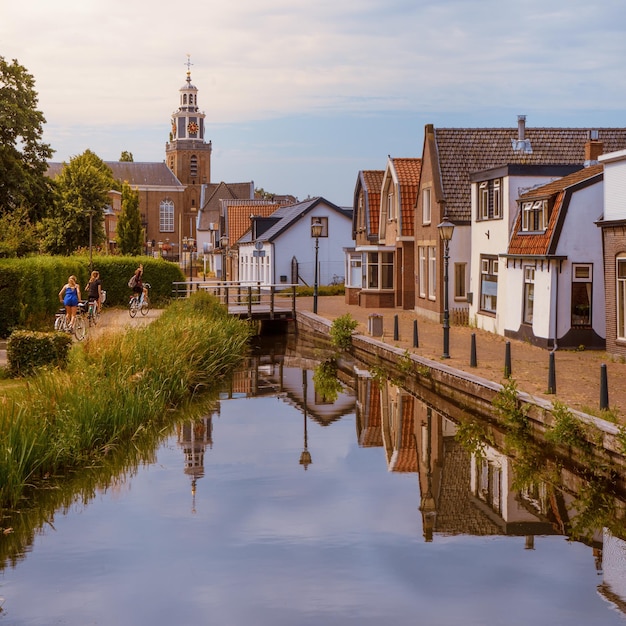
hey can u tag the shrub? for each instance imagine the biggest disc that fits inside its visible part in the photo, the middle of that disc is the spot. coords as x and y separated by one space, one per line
28 350
325 380
341 331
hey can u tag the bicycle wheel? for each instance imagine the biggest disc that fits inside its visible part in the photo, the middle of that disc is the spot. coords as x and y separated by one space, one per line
58 322
145 305
132 307
79 327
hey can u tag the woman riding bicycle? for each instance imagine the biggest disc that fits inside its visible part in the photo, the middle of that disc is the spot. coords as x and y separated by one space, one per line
136 282
94 289
69 296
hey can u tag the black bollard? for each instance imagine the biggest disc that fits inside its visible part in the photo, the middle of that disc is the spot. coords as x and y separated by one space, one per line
473 362
552 374
416 343
604 388
507 360
395 327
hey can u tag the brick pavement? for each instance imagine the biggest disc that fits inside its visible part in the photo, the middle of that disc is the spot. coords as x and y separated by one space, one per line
577 372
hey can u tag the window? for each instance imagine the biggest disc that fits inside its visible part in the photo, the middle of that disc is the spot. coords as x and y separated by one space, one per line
432 272
621 297
426 209
166 216
490 199
582 279
459 281
391 214
422 271
529 294
534 216
488 283
324 223
379 270
193 166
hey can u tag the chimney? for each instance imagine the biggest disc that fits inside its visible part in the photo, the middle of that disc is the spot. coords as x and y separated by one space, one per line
593 148
521 127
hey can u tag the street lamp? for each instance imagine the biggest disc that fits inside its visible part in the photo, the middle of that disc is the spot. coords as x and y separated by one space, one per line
446 228
190 243
305 456
316 231
224 245
184 259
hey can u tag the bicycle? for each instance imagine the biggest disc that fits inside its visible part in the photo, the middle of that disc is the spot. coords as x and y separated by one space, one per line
139 302
94 311
79 330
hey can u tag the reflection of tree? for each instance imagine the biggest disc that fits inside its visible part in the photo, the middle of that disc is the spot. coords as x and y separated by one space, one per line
59 494
327 386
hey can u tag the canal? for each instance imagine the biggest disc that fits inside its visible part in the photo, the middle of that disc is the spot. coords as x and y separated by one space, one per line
304 495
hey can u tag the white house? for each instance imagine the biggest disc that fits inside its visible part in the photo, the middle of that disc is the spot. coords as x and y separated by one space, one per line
494 195
613 225
553 269
281 248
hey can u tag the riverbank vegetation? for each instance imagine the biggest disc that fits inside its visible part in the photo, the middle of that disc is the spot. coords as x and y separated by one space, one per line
113 387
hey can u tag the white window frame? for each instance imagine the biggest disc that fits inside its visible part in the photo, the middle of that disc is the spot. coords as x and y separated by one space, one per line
421 252
529 294
483 200
488 268
432 272
497 198
534 216
166 216
391 207
620 291
582 273
376 266
426 206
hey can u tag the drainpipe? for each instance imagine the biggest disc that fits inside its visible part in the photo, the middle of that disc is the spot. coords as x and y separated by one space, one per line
555 347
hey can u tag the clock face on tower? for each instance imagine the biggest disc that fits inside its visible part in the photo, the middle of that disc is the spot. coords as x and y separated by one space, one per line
192 128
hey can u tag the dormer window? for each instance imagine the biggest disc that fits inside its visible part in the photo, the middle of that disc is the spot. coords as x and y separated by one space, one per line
534 216
490 199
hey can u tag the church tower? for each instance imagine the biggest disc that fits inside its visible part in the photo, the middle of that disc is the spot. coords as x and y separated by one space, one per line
187 154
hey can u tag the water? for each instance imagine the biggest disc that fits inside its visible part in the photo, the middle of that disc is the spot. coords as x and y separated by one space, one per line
227 523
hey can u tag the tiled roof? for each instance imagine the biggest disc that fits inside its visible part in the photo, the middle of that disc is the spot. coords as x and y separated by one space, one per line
542 244
136 174
462 151
238 214
408 172
371 181
214 193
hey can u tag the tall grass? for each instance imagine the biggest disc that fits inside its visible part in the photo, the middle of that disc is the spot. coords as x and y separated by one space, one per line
112 388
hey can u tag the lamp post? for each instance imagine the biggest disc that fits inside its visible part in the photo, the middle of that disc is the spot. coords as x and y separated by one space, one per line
305 456
190 243
446 228
224 245
316 231
184 259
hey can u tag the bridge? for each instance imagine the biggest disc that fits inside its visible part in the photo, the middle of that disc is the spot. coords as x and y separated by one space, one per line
246 300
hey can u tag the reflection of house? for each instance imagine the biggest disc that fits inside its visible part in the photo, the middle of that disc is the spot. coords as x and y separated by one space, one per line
397 414
613 224
613 587
368 419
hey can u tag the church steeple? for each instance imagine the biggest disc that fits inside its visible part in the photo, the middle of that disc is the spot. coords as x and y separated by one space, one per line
188 154
188 121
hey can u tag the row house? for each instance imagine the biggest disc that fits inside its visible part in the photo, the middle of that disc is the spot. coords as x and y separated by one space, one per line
613 228
383 231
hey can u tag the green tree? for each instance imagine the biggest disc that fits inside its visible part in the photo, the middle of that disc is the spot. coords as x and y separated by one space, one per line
83 186
23 154
19 235
126 156
129 230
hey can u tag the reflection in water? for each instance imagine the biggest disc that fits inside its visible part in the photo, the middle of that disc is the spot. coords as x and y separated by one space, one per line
465 478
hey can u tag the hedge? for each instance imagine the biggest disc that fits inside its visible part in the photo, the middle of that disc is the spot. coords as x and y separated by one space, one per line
27 350
29 286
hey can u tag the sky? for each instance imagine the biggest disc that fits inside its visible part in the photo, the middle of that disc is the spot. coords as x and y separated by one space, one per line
301 96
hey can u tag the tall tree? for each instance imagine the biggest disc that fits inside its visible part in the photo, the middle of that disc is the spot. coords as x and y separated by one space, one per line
126 156
23 154
129 230
84 185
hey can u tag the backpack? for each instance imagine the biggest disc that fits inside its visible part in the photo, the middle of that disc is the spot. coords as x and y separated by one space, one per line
133 281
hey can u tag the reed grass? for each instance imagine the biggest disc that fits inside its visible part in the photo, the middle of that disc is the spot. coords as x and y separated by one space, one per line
112 388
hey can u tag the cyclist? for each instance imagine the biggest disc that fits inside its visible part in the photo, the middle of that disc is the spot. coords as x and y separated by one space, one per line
69 296
136 282
94 289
